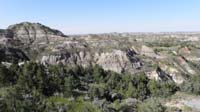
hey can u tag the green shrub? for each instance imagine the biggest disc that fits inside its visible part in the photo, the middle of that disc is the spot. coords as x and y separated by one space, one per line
191 86
162 89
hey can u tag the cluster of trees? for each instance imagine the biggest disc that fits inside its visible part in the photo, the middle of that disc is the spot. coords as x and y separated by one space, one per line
28 87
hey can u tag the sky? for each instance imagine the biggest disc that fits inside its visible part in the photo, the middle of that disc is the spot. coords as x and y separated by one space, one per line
103 16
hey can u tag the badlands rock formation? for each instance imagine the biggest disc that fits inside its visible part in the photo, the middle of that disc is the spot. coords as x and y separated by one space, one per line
33 32
116 60
131 53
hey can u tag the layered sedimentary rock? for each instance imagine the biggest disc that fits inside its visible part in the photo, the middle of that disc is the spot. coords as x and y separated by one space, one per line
30 33
116 60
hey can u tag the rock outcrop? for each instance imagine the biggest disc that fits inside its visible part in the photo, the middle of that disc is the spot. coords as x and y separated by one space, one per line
147 51
67 58
30 33
117 60
184 65
158 74
174 73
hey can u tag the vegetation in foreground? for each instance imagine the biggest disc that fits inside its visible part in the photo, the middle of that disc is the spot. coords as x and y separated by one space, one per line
33 87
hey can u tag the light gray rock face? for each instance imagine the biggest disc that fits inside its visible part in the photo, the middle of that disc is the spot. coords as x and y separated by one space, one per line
30 33
147 51
116 60
81 58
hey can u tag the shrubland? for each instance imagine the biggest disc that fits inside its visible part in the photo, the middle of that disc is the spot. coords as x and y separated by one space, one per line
38 88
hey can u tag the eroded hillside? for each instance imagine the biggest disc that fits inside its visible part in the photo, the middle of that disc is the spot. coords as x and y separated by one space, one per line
160 56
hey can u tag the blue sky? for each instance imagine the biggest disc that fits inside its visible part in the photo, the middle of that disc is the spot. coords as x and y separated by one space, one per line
98 16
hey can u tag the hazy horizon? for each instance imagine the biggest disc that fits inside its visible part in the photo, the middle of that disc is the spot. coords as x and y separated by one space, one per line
104 16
